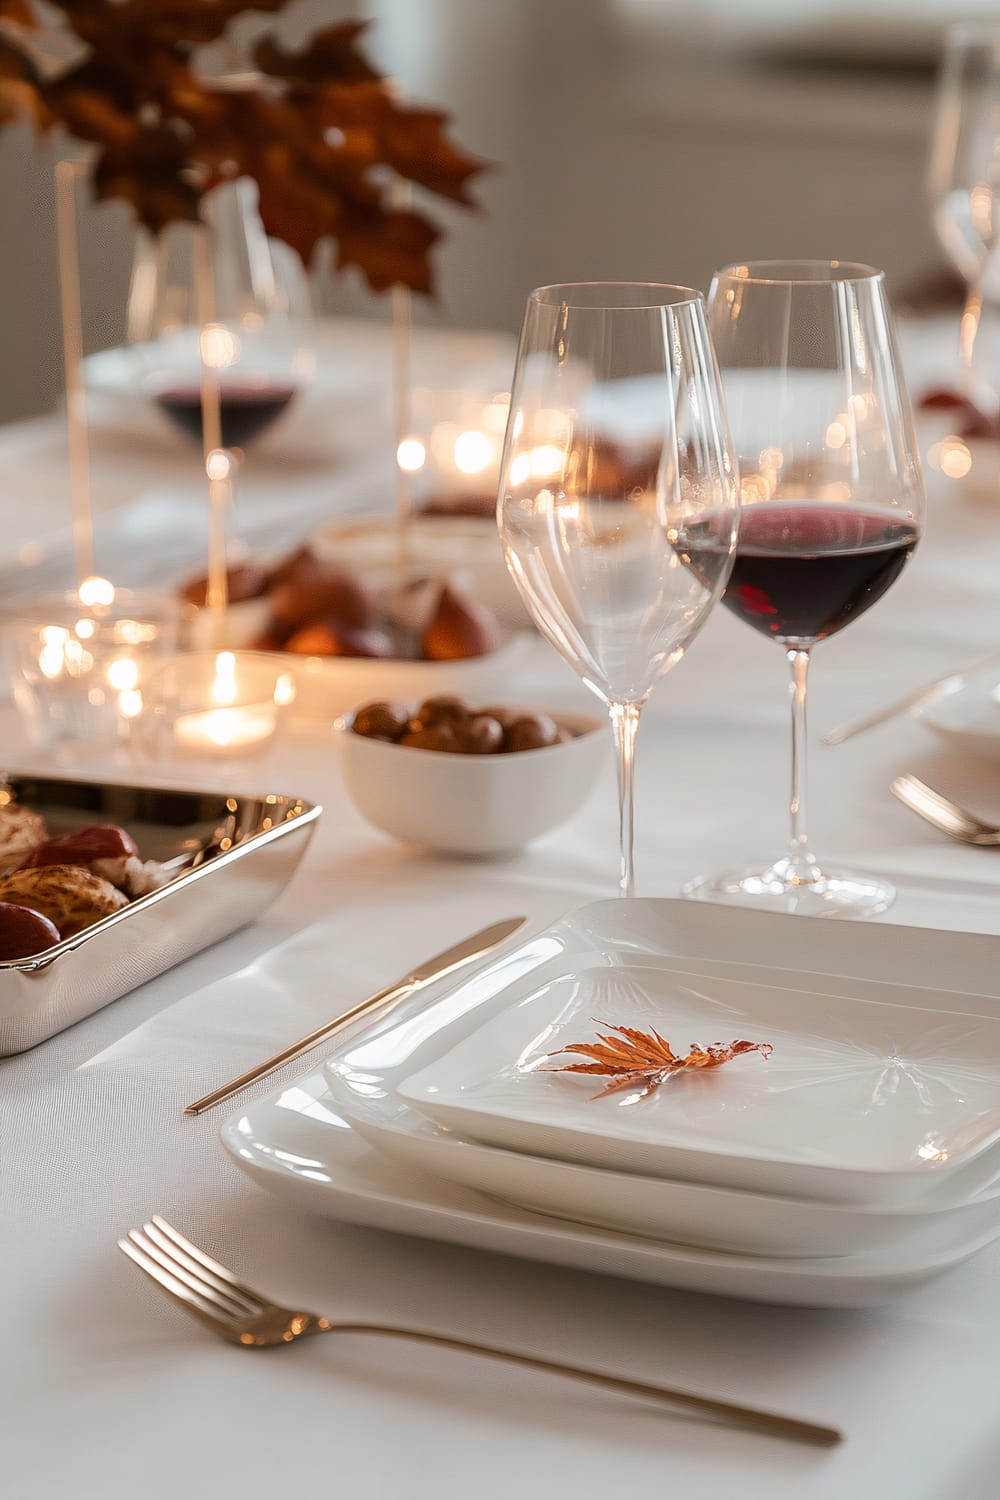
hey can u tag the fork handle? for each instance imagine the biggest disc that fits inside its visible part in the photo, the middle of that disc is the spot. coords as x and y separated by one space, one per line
732 1412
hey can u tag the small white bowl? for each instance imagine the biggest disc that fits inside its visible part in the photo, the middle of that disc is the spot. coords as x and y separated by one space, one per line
472 804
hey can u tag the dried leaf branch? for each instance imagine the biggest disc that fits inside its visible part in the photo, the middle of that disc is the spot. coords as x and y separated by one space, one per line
321 132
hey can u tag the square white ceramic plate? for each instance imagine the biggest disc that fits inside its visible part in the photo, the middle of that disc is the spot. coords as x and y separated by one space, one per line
860 1100
294 1143
873 1095
685 1213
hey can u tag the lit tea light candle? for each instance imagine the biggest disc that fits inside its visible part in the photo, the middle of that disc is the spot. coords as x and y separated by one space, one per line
227 726
231 730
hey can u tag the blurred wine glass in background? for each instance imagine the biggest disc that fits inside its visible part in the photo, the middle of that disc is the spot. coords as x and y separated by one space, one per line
250 325
964 174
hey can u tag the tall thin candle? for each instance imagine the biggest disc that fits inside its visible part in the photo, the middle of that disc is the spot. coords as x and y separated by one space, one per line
66 173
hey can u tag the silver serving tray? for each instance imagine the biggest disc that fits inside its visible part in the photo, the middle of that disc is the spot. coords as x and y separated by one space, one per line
234 855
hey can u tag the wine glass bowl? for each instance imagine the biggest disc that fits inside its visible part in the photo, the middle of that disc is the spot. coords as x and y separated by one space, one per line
831 502
241 314
616 445
964 174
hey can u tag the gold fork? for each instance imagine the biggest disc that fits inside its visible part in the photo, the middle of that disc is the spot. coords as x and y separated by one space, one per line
234 1311
942 813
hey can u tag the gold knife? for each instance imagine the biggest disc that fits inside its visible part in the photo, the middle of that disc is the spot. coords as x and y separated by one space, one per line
424 974
916 699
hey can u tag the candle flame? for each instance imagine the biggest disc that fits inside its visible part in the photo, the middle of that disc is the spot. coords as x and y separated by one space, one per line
218 464
473 452
411 455
224 687
219 347
94 591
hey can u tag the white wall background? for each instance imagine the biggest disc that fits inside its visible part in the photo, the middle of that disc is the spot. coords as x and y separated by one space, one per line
617 157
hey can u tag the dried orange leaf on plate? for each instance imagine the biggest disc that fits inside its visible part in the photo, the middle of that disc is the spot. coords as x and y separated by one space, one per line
642 1060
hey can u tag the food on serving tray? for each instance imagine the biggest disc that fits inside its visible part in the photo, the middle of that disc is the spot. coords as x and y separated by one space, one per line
105 850
448 723
317 607
59 886
245 582
968 420
21 831
458 628
640 1061
70 896
24 932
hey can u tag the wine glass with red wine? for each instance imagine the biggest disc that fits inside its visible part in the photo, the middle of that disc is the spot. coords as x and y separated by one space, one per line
247 319
831 502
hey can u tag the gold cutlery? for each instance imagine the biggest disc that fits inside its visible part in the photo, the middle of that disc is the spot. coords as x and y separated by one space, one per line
912 700
424 974
939 810
236 1312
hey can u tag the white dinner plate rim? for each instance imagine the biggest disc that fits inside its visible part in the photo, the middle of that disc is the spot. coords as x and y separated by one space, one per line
323 1183
407 1135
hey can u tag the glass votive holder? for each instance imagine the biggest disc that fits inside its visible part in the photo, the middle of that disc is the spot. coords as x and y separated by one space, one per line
75 667
213 705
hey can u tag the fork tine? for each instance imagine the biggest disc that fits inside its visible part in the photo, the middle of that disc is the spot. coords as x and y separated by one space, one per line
188 1300
206 1261
172 1244
226 1309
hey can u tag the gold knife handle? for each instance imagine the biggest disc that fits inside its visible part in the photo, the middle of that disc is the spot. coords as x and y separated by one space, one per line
452 959
306 1044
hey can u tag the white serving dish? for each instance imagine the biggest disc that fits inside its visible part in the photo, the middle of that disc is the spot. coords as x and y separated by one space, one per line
327 686
966 711
464 547
294 1143
687 1213
844 1041
472 804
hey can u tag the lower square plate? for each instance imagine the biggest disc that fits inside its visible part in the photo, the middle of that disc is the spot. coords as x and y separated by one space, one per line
295 1144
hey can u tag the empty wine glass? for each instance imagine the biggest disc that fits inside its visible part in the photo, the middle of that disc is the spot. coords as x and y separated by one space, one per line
217 296
616 447
831 500
964 177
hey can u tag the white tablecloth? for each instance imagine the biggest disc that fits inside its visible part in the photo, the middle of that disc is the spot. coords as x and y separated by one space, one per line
105 1390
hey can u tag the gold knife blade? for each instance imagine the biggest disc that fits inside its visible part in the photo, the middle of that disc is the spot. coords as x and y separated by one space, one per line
432 969
916 699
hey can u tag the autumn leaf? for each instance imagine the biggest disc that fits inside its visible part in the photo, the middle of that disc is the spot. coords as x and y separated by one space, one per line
168 23
20 95
147 172
19 13
640 1061
330 53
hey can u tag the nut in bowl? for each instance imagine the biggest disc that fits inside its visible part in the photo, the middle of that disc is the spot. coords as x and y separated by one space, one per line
463 780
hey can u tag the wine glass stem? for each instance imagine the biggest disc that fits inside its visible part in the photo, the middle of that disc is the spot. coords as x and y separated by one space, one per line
625 724
801 863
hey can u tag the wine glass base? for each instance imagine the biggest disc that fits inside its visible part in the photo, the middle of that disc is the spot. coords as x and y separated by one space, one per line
836 893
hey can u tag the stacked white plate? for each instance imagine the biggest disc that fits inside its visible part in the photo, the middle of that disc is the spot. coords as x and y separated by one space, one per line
865 1149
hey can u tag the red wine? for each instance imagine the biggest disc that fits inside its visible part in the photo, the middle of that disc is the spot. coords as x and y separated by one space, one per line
245 410
805 569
